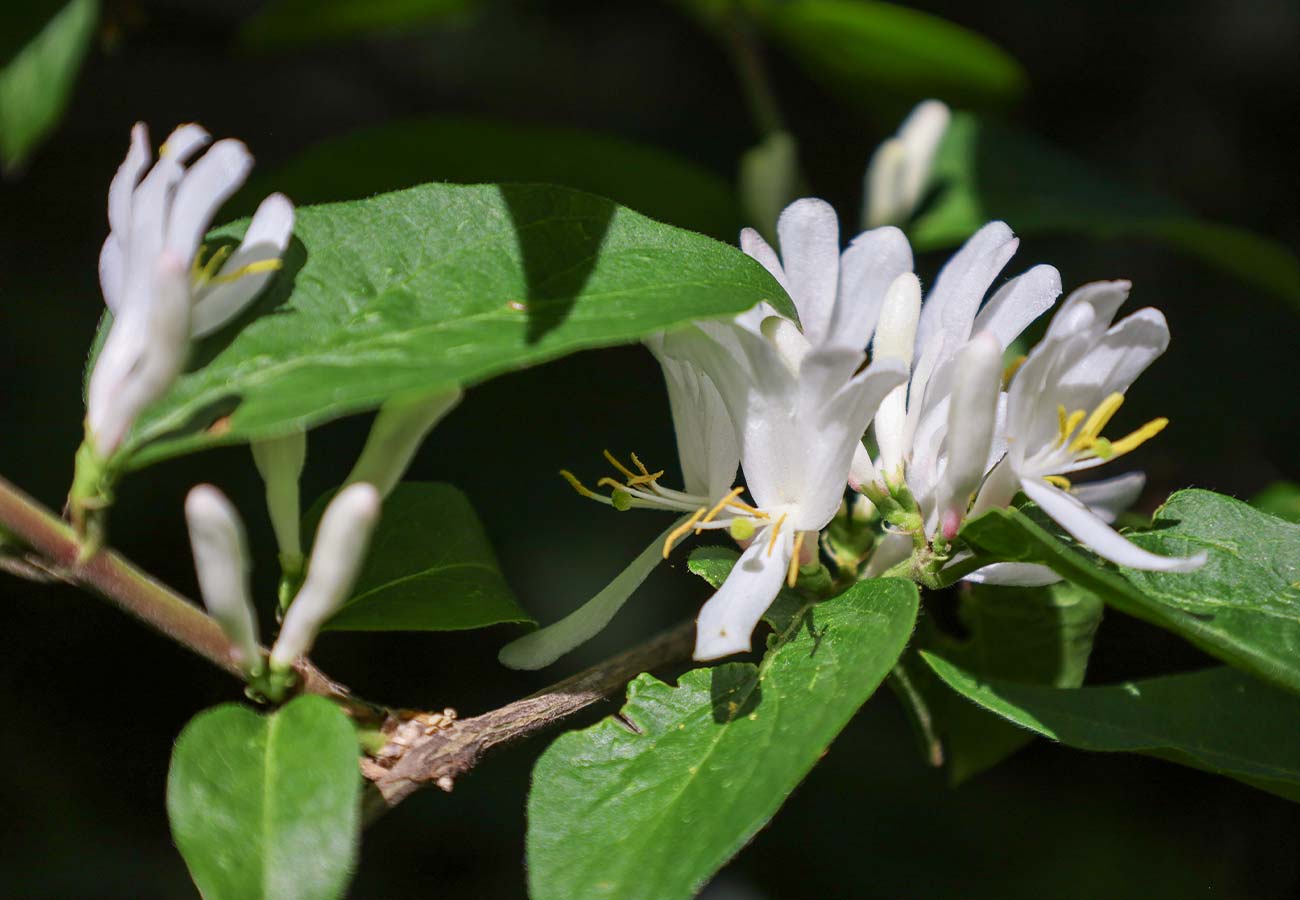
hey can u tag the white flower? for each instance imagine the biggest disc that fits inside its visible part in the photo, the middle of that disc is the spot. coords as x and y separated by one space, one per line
336 557
1060 400
279 461
900 167
221 561
397 432
160 291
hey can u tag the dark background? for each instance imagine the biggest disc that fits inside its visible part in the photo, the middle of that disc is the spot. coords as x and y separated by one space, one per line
1197 100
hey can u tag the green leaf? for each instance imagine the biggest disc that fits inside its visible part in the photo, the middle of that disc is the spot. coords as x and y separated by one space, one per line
475 151
984 171
430 567
1220 720
874 53
1281 499
653 813
36 83
1243 606
432 287
296 23
267 807
1040 636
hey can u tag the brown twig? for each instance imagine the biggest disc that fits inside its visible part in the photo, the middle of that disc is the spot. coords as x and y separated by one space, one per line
445 753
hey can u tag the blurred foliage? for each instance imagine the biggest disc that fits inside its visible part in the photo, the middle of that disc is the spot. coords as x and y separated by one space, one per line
295 23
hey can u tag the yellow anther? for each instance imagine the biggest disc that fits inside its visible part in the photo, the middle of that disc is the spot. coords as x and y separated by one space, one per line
720 505
1012 368
579 486
647 478
776 532
609 483
746 508
613 461
792 575
680 531
1104 412
1059 480
1067 424
253 268
1137 438
637 462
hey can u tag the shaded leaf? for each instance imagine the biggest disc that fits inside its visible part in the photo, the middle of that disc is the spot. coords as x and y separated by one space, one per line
655 812
430 567
985 171
1243 606
36 82
295 23
1220 720
265 807
876 53
435 286
476 151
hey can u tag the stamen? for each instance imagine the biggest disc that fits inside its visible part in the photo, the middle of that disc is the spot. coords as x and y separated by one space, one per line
745 507
636 462
776 531
580 487
1068 426
648 478
253 268
721 504
1137 438
1012 368
680 531
793 574
1059 480
613 461
1104 412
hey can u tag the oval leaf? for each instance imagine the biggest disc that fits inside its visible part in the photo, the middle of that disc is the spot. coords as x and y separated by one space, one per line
430 568
655 812
267 807
1220 720
436 286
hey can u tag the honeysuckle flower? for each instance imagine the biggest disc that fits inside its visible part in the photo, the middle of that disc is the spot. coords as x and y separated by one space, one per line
900 167
708 455
279 461
161 292
336 557
397 432
932 437
1061 399
221 561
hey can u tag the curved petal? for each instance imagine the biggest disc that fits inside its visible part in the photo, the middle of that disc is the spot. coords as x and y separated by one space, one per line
1019 302
869 266
546 645
706 439
1013 574
726 622
950 307
112 273
809 236
124 182
752 243
230 292
1111 496
205 186
1089 529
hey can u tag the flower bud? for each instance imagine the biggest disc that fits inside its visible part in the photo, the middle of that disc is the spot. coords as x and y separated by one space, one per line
396 434
901 166
280 461
221 561
895 338
336 557
972 414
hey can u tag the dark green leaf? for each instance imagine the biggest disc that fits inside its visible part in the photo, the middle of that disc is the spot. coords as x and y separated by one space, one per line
871 51
430 567
36 82
1039 636
985 171
1243 606
1281 499
295 23
653 813
435 286
266 807
476 151
1220 720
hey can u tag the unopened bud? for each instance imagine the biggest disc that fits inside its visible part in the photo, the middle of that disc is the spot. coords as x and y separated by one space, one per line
398 430
900 167
280 461
895 338
221 561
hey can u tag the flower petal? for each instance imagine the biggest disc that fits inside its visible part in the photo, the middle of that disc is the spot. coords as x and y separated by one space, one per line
1013 574
950 307
201 192
868 267
1111 496
809 235
112 273
124 182
1019 302
266 239
726 622
1091 531
706 439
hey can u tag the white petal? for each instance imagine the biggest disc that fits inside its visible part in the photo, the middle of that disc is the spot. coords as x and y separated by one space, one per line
221 561
809 235
204 188
892 550
752 243
1111 496
706 438
1019 302
336 556
279 461
962 283
397 432
870 265
1089 530
895 338
998 490
266 239
883 185
727 621
972 413
920 134
126 179
1013 574
546 645
112 273
1118 358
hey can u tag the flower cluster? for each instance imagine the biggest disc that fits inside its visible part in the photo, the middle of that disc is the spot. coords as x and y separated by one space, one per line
955 431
